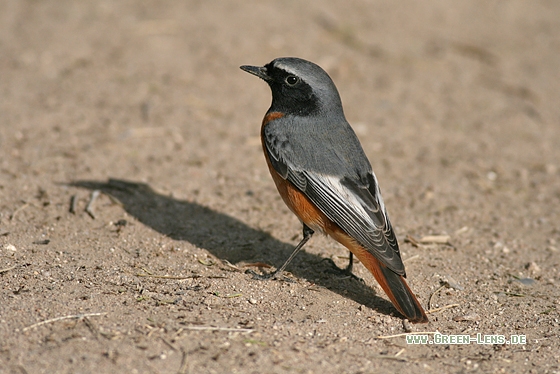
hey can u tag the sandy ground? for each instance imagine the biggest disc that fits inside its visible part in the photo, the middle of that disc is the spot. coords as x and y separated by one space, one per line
456 105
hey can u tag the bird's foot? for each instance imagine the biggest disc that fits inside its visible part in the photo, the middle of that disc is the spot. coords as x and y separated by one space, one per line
346 272
275 275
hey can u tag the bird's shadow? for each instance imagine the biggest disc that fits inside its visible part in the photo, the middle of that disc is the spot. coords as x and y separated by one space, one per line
227 238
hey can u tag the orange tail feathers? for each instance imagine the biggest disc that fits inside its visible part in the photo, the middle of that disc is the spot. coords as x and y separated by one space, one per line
395 287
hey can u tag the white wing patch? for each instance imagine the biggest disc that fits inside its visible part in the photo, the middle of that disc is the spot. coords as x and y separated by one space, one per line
343 195
365 221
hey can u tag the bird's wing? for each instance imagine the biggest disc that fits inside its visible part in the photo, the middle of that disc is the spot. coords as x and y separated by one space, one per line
354 204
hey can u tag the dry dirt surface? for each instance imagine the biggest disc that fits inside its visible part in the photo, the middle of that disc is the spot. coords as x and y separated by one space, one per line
134 194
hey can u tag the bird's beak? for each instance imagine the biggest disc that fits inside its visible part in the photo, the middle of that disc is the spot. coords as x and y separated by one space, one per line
259 71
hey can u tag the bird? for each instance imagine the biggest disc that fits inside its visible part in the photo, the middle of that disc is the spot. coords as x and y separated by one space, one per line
324 176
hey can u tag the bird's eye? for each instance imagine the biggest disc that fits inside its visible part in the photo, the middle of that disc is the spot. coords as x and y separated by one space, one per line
292 80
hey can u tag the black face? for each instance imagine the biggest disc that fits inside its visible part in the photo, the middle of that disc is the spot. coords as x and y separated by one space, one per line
290 94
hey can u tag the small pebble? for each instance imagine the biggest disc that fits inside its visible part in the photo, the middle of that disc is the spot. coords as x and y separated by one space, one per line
533 268
528 282
467 317
452 283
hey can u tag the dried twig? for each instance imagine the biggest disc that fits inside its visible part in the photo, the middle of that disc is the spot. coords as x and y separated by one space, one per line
76 316
411 258
183 368
231 266
434 239
229 296
168 344
514 294
209 263
8 269
212 328
94 330
436 310
25 205
412 240
432 296
73 204
384 357
167 276
428 239
89 206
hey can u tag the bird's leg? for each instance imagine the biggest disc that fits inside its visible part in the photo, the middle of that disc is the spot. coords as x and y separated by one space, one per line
307 234
350 263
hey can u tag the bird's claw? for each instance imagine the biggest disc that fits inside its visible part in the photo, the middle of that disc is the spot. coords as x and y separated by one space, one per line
346 272
269 276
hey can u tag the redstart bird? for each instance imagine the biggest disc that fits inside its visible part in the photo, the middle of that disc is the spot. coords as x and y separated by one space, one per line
324 176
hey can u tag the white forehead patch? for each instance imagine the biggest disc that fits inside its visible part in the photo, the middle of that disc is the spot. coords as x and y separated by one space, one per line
284 67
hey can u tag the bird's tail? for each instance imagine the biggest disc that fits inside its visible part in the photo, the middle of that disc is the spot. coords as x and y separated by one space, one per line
393 284
396 288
